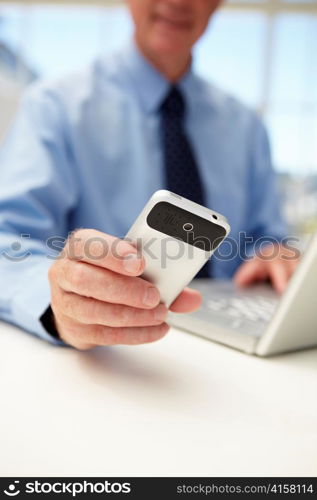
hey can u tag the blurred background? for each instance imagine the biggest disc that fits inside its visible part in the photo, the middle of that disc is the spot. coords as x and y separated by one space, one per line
262 51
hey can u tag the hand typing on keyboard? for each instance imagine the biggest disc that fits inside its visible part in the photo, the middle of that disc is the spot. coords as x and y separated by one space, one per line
275 262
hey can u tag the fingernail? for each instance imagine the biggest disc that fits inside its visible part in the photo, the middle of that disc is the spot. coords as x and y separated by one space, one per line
132 263
160 313
151 297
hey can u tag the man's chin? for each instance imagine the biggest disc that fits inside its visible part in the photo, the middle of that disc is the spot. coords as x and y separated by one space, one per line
169 46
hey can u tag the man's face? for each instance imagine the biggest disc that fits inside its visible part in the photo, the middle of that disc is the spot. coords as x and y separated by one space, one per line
170 26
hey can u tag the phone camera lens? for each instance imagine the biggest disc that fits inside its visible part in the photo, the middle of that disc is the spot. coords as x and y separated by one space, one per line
215 216
188 226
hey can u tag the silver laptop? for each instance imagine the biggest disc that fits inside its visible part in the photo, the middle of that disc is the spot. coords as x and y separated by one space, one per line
255 319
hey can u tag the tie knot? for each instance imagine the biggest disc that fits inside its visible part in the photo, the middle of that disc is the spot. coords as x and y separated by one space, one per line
174 104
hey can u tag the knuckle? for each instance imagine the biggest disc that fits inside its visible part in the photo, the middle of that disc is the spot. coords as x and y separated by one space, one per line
65 327
55 305
66 273
74 335
56 299
68 306
67 336
82 309
52 273
91 312
75 275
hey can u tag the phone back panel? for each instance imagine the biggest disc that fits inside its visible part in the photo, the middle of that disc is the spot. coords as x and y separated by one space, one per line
171 262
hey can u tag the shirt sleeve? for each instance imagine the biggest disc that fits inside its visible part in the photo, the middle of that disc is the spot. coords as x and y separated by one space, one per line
265 221
37 193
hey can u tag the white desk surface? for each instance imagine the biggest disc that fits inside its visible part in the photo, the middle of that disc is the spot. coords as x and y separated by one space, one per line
180 407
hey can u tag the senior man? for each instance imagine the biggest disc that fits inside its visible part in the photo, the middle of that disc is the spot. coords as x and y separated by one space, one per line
88 150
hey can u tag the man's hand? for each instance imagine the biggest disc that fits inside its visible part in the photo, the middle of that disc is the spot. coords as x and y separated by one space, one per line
275 263
98 298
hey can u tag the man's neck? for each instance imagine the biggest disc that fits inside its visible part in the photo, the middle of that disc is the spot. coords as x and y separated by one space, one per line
173 68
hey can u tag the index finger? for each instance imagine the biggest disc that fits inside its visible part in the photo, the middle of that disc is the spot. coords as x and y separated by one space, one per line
103 250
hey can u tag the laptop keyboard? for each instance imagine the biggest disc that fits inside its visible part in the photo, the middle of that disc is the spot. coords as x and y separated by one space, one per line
257 309
243 310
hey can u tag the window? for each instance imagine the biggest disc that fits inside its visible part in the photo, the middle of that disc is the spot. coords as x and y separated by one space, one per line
231 54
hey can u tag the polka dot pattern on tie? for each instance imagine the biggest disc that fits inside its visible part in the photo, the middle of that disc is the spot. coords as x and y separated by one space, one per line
182 175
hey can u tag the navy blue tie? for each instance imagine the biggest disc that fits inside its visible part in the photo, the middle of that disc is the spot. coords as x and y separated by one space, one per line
181 170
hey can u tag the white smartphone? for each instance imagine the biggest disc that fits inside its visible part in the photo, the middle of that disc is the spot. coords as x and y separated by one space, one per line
176 237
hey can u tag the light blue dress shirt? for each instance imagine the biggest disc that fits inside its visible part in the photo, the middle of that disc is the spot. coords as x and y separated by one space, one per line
85 151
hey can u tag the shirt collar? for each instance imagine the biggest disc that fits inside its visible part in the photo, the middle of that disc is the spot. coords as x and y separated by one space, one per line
149 84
